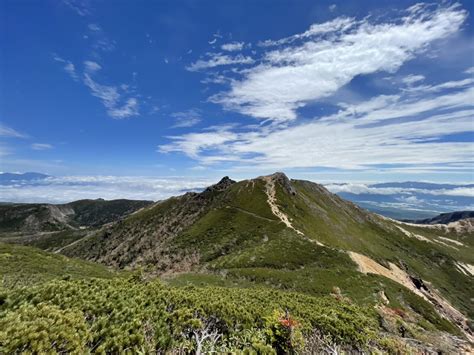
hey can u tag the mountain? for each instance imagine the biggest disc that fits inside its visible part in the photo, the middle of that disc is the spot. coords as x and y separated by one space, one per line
296 235
11 178
445 218
42 217
52 227
245 263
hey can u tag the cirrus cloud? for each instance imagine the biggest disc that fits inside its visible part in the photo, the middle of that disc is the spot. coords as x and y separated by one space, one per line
315 64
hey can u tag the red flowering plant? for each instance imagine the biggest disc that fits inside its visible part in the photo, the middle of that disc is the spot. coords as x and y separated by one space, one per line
284 332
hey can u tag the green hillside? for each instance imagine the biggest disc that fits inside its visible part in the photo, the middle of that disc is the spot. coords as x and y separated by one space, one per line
324 242
261 265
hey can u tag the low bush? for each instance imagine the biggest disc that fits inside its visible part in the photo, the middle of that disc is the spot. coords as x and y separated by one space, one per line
129 315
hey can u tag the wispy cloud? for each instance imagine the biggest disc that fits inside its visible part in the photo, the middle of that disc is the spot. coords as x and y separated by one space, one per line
68 67
80 7
91 67
116 99
6 131
218 59
41 146
94 27
405 128
294 71
119 100
99 40
112 97
187 118
412 79
233 46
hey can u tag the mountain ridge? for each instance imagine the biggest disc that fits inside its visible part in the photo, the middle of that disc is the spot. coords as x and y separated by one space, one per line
247 227
444 218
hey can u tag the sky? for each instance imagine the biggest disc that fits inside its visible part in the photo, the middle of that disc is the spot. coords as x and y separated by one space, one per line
350 91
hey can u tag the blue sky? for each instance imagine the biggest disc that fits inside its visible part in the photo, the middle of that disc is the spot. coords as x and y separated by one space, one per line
325 90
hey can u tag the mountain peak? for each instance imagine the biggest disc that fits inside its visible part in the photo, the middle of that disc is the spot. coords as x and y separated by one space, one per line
223 184
282 179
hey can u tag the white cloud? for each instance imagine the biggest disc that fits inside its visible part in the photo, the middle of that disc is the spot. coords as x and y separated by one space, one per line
112 97
406 193
359 189
6 131
41 146
187 118
332 7
193 144
469 71
68 67
117 106
71 188
393 130
339 24
91 67
412 79
233 46
218 59
128 109
460 191
315 64
94 27
100 41
80 7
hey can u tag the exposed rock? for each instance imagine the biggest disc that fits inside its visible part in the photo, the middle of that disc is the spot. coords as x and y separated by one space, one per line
222 185
283 180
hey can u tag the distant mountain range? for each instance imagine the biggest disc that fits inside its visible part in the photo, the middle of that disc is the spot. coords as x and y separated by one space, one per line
445 218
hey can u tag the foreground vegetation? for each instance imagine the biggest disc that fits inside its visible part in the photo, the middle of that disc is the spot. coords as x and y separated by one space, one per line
131 315
235 278
53 304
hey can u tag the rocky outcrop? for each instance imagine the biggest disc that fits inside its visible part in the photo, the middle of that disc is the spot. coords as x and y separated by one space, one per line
222 185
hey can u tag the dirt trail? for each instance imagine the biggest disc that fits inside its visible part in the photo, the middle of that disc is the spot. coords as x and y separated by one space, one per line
271 199
272 202
445 309
57 251
252 214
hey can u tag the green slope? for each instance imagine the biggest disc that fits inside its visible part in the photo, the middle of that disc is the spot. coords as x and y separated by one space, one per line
231 230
